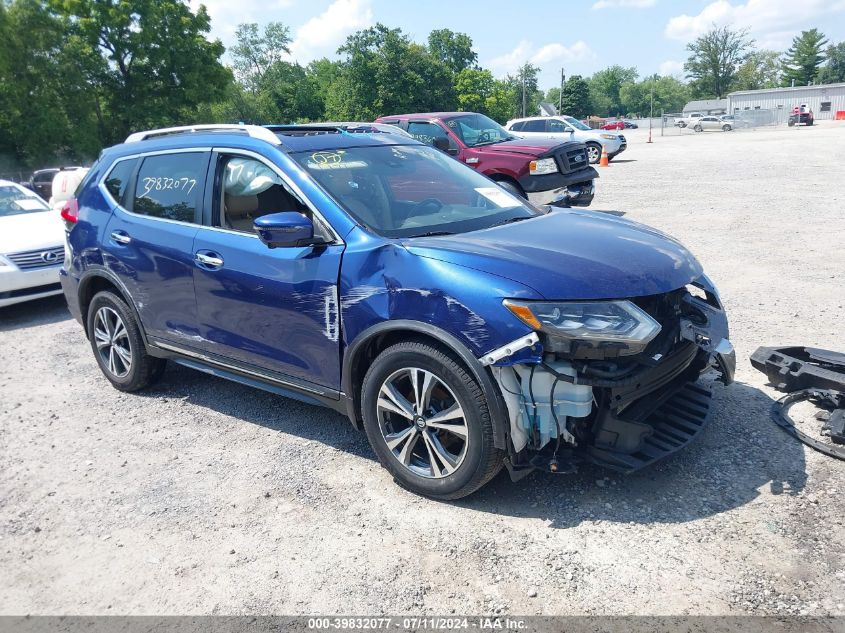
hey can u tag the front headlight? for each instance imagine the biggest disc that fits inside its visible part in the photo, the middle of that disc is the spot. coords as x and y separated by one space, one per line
596 321
610 137
542 166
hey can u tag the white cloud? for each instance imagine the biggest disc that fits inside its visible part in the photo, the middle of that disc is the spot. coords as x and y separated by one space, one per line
632 4
671 68
772 22
322 34
554 53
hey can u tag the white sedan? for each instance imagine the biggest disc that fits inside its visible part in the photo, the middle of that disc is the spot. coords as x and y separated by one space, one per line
31 246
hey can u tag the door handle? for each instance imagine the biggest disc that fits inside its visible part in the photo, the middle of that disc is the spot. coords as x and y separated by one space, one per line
209 260
121 237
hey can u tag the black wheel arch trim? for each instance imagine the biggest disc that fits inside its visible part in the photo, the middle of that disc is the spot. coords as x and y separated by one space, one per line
498 413
97 272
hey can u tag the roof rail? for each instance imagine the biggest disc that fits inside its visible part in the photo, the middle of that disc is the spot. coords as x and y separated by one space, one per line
255 131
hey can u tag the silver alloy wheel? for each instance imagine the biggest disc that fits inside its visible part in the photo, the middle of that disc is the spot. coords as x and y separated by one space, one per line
112 342
593 154
422 423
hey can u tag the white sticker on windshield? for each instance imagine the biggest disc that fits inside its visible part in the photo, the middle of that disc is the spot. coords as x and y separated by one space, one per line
499 197
30 204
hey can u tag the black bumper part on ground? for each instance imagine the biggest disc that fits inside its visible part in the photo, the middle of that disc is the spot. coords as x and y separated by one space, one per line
627 444
793 368
550 182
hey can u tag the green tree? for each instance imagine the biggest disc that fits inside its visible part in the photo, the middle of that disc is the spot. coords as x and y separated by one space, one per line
669 94
384 72
714 59
605 88
834 70
802 61
46 111
452 49
255 52
762 69
501 104
324 72
156 65
528 95
473 87
576 97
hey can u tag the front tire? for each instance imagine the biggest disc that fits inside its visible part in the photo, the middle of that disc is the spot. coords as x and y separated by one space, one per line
726 128
428 422
593 154
698 128
118 346
512 188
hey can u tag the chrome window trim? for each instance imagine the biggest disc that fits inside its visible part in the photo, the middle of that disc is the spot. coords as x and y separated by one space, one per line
336 239
101 185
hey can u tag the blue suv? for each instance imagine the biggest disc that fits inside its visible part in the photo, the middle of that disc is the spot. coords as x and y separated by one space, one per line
460 326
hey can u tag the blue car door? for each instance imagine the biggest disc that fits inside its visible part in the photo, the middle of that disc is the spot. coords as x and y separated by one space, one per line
272 309
149 238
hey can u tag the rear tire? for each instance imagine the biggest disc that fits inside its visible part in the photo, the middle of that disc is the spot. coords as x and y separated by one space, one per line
698 128
405 438
118 345
726 128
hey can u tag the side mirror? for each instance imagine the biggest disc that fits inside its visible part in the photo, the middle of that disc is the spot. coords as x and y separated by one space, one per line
286 229
443 145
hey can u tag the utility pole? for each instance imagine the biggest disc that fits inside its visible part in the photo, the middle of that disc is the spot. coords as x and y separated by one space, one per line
651 113
560 98
523 91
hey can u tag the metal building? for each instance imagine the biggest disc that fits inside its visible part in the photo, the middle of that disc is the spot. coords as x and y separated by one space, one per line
707 106
824 100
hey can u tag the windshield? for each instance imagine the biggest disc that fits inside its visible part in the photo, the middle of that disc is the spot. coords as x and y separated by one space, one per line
17 201
412 191
576 124
476 130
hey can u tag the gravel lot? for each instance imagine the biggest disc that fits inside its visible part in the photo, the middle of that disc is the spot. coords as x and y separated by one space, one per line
205 497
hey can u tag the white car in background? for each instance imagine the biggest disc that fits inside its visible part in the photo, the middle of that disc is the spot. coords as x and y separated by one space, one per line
32 238
565 128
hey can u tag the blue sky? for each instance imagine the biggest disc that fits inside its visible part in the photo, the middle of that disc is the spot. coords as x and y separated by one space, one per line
581 35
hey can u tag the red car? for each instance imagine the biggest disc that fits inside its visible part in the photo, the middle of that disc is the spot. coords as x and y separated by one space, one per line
613 125
544 170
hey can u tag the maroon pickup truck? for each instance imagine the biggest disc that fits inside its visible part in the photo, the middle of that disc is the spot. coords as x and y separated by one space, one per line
542 170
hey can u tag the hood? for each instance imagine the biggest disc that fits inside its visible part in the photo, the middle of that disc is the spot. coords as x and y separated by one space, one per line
31 231
571 254
528 146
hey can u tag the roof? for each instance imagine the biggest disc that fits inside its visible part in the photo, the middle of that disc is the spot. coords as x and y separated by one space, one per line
819 87
706 104
287 138
424 115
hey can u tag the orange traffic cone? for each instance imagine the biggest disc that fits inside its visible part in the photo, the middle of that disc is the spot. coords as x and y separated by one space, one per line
605 161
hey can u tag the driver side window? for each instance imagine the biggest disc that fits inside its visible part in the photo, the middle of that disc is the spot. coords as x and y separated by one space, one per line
558 126
248 189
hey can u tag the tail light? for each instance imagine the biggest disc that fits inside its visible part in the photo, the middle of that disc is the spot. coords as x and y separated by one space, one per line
70 211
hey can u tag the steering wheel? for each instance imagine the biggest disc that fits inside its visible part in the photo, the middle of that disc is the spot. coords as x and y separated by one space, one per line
433 203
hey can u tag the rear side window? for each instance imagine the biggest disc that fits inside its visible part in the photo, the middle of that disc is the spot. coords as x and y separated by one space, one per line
118 178
517 127
168 186
537 125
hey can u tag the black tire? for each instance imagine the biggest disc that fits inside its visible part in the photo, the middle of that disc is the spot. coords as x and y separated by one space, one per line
143 369
481 460
698 128
593 151
726 128
510 187
810 122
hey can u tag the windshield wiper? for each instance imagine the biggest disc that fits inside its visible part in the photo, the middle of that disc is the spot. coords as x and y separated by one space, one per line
432 234
517 218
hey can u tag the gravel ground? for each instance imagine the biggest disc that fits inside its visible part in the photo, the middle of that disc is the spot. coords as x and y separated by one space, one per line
201 496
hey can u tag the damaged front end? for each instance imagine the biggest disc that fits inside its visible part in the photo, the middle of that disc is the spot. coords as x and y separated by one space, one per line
615 383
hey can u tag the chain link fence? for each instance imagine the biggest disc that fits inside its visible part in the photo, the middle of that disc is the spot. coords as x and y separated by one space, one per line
678 123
